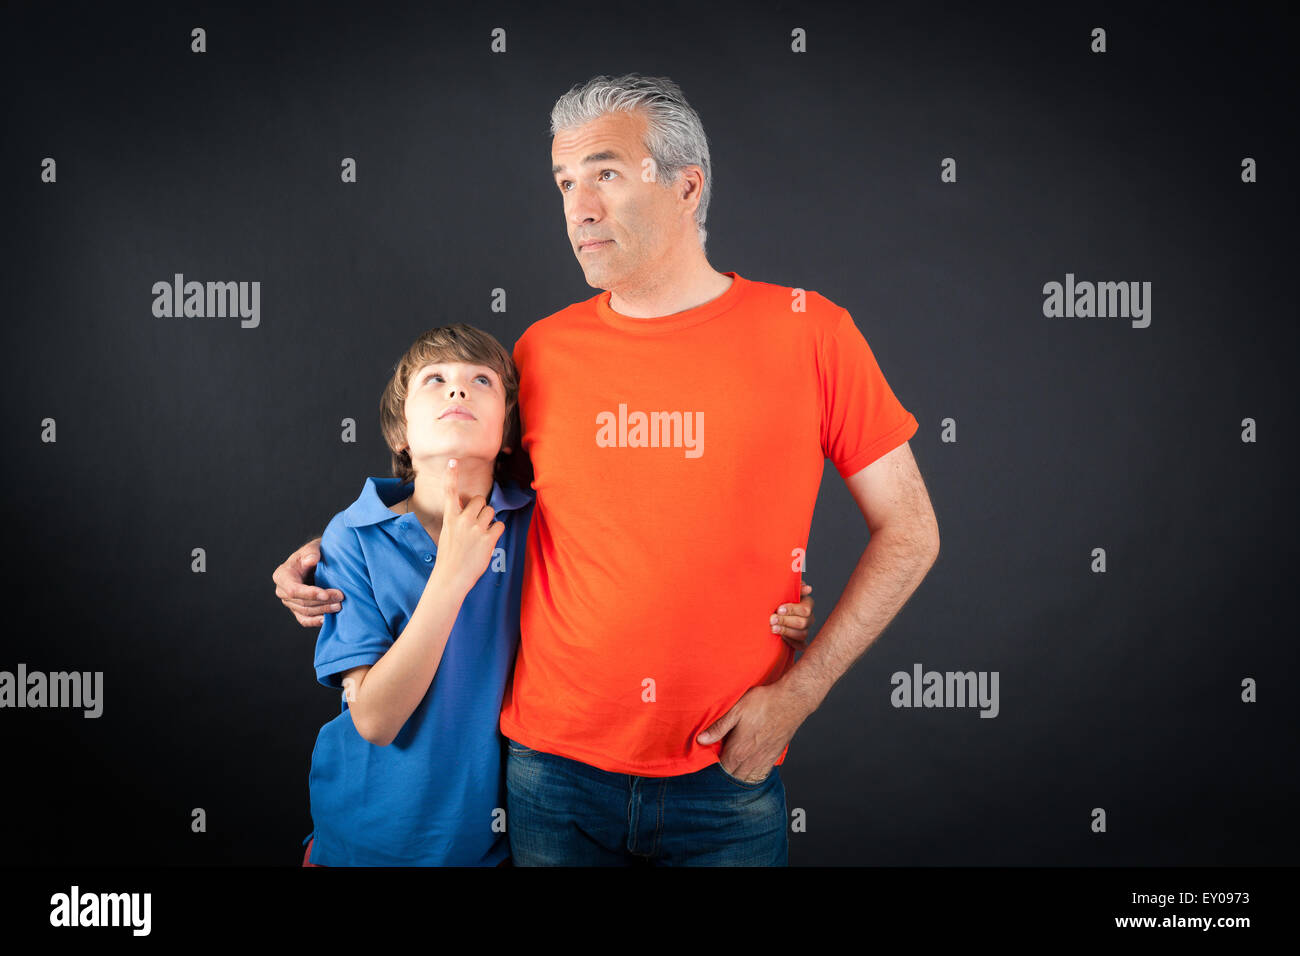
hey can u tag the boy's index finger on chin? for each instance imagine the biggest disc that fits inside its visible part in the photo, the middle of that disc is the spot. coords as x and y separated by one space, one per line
449 487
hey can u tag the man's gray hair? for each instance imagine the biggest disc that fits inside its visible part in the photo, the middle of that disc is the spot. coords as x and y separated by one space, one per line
674 135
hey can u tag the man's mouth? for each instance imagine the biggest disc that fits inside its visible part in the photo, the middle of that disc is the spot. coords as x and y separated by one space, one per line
600 243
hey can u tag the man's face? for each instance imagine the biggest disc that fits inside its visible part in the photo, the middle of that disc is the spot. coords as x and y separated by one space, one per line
454 409
607 180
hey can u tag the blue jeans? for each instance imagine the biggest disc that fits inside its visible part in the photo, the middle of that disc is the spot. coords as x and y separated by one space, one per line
562 812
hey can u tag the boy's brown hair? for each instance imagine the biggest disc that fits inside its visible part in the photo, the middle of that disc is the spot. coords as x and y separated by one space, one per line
454 343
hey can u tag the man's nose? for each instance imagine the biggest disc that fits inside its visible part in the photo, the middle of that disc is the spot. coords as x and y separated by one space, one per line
584 205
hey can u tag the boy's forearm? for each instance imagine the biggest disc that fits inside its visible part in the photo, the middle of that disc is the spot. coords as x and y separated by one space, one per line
398 681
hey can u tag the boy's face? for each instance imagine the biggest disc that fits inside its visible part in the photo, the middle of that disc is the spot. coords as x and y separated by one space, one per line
454 410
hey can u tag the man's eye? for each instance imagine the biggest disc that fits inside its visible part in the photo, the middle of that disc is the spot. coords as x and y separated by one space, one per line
564 183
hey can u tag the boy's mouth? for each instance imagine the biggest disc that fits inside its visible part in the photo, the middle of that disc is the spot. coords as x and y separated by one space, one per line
457 411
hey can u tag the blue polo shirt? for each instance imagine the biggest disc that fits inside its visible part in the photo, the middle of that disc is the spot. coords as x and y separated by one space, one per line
436 795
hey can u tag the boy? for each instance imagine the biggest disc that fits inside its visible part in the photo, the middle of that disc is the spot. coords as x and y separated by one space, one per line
430 563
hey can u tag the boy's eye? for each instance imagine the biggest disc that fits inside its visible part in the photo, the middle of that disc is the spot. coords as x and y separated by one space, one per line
432 375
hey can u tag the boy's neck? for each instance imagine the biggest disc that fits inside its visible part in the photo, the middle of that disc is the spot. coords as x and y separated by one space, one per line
473 477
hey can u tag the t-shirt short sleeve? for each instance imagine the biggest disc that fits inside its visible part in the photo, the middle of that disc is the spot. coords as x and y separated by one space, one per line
357 634
861 417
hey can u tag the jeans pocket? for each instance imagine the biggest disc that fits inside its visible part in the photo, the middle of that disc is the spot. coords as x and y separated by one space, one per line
743 783
519 750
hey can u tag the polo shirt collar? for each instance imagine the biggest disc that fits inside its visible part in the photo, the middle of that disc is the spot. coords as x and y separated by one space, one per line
371 506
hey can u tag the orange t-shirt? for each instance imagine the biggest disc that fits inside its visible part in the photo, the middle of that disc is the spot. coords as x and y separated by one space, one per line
677 462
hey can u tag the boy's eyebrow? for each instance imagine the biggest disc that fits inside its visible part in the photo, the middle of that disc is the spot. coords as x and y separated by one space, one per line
601 157
437 365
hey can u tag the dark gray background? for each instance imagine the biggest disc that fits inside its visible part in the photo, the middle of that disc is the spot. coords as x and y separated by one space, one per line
1118 690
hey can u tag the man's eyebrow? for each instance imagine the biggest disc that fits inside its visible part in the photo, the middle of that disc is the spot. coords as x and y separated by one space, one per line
603 156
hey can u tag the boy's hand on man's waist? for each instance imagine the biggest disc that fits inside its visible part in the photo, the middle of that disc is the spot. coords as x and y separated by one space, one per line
294 589
794 621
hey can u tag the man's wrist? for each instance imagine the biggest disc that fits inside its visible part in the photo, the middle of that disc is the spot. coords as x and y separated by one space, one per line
804 685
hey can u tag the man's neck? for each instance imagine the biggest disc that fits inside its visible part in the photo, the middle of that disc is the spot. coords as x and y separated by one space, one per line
670 291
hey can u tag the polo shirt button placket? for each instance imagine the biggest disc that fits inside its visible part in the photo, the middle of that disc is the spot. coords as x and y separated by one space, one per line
428 558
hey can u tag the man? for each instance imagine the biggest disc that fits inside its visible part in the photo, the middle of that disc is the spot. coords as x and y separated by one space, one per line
646 718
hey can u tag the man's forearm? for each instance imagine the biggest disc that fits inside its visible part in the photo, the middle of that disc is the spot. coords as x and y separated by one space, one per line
891 568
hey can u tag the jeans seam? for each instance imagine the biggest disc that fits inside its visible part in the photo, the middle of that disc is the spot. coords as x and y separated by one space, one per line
633 815
659 819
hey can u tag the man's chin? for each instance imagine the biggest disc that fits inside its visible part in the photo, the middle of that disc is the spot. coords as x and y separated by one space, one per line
599 278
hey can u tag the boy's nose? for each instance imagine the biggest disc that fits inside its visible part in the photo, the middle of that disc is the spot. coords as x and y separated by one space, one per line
457 391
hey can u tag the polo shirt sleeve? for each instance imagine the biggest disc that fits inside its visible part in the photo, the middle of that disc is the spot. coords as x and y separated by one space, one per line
356 634
861 418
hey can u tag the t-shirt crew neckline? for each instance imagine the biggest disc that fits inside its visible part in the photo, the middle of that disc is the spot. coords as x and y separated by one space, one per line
678 320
